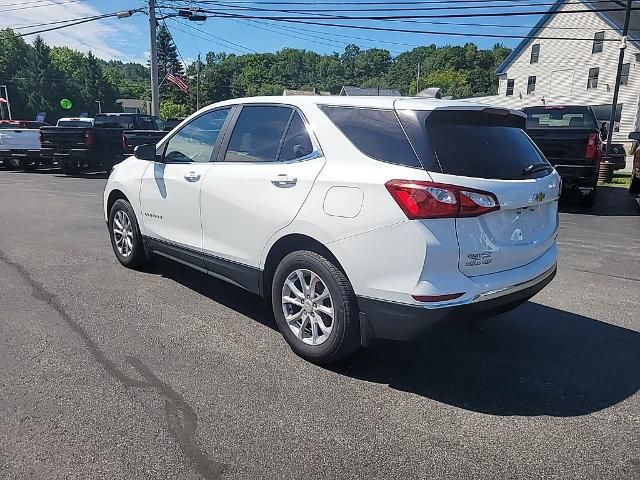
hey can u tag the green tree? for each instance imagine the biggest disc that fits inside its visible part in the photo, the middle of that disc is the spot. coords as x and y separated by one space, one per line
41 86
170 109
95 87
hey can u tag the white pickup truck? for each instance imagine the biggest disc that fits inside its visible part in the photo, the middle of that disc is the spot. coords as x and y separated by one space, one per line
20 144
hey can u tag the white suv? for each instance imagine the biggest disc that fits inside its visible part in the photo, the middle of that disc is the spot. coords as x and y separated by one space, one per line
356 218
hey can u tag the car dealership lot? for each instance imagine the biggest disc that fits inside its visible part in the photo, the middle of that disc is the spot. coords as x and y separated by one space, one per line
167 373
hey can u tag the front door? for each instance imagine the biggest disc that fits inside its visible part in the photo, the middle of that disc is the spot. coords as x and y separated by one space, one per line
170 192
266 173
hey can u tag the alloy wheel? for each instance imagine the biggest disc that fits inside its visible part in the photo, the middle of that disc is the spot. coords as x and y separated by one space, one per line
123 233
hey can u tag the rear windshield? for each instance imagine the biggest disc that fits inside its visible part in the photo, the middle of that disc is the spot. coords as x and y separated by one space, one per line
482 145
115 121
375 132
74 123
560 117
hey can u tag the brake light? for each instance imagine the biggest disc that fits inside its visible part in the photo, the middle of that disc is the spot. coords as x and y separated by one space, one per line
88 137
421 199
593 145
124 141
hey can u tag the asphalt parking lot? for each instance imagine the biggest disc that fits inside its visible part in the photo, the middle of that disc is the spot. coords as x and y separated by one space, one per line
111 373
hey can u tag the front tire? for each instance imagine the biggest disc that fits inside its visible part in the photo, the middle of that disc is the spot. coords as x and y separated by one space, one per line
11 163
589 200
125 235
315 307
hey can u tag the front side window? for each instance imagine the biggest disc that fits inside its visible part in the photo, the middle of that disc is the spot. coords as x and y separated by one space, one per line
624 74
598 42
510 84
196 140
592 82
531 84
535 53
258 134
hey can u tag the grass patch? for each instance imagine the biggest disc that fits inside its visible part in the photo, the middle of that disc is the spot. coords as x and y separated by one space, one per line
620 180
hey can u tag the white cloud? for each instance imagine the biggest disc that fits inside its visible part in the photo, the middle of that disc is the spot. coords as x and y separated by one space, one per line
108 39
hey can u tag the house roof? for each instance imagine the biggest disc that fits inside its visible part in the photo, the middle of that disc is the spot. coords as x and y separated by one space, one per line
613 19
369 92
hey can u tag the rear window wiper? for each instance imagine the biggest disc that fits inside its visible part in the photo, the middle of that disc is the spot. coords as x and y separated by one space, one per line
535 168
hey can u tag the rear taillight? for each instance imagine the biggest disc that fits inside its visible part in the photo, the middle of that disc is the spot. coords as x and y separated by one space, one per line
88 137
124 141
593 145
420 199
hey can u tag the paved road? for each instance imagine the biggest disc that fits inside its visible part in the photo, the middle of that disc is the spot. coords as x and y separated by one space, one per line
111 373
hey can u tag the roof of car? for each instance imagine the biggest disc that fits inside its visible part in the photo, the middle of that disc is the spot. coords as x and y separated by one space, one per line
382 102
76 119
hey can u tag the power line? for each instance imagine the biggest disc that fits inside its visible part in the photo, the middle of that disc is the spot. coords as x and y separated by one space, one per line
214 36
309 21
86 20
424 2
40 6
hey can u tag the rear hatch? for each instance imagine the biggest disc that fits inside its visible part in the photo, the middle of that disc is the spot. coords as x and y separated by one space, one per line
484 154
565 135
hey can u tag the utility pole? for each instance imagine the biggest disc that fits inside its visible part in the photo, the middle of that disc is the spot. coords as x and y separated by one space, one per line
99 102
616 88
198 84
155 90
418 80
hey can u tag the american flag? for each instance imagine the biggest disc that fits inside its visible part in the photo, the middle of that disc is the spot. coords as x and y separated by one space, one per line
178 81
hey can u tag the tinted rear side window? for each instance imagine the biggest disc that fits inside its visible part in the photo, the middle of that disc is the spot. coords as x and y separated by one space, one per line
375 132
481 145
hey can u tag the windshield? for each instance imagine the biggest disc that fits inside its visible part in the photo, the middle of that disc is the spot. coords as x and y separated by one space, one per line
74 123
560 117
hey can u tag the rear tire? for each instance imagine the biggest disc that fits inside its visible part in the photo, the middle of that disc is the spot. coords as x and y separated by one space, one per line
11 163
126 239
634 187
589 200
29 164
322 325
69 167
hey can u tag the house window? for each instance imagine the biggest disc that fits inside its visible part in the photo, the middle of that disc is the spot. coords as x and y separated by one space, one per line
598 42
535 53
624 74
592 82
510 83
531 84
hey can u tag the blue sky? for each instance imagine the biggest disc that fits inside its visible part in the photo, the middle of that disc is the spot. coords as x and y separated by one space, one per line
127 39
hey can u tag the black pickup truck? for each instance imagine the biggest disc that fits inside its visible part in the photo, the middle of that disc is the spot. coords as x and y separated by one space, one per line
103 145
570 139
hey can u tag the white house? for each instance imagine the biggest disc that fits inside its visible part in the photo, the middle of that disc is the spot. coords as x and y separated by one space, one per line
548 69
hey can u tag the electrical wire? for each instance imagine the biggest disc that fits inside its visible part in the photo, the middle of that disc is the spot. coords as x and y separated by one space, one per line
86 20
40 6
214 36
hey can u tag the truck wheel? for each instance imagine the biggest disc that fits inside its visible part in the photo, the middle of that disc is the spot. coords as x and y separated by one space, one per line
11 163
29 164
68 167
589 200
634 187
315 307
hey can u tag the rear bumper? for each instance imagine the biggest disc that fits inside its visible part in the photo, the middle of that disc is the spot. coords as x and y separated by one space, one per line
71 154
396 321
578 175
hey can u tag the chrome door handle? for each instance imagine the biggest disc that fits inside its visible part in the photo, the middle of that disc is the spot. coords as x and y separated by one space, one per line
192 177
284 181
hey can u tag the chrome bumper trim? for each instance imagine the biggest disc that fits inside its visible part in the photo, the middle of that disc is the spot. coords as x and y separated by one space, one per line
491 294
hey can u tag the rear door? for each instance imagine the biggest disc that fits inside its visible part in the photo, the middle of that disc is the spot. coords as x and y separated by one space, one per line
257 187
491 153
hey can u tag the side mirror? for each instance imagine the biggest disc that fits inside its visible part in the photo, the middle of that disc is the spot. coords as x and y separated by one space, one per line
145 152
634 136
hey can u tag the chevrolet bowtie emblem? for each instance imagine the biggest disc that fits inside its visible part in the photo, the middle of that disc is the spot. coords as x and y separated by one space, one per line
538 197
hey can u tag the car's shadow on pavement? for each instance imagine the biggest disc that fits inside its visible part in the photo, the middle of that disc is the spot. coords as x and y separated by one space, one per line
535 360
611 201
